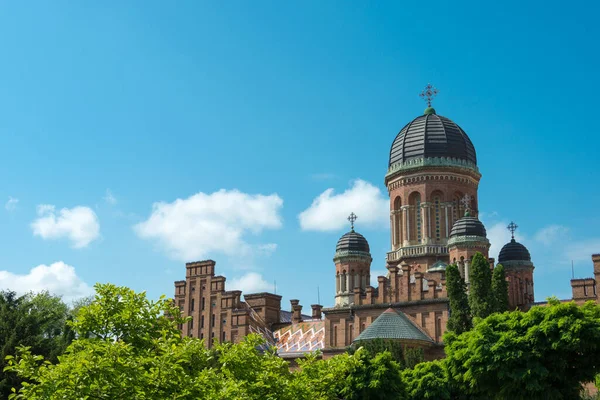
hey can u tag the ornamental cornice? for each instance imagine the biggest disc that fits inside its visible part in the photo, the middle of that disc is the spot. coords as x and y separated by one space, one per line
444 162
351 255
431 176
468 241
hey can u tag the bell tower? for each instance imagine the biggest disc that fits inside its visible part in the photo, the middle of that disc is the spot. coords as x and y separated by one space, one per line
352 265
432 166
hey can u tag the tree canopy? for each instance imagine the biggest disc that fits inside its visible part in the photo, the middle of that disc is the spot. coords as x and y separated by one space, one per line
34 320
499 289
460 311
128 347
480 290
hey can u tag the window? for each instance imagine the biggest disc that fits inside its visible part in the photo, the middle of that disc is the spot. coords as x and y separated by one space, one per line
223 339
202 322
213 321
191 325
202 336
203 304
436 205
418 217
192 305
224 321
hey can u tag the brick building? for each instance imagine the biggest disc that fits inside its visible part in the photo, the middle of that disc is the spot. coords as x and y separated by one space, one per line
432 181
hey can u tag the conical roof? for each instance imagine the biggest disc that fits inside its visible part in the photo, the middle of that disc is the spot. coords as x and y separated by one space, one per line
392 324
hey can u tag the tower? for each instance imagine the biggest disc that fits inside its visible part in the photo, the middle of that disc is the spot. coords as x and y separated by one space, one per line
432 166
467 237
352 265
519 271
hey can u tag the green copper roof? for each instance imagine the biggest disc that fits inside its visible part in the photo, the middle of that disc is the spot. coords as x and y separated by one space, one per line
392 324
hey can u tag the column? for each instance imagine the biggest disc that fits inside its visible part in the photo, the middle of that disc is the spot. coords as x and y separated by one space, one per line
348 282
467 269
337 283
424 225
356 281
408 224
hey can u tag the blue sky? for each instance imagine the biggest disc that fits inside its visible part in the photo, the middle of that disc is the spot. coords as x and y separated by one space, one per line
250 112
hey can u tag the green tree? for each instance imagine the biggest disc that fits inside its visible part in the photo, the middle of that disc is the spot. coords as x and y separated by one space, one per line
460 311
545 353
480 290
350 377
428 381
406 357
34 320
499 289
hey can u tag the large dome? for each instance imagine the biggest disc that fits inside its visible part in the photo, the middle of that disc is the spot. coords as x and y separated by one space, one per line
432 136
514 251
352 241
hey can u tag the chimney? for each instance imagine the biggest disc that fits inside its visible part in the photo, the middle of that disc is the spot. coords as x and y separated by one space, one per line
296 311
316 311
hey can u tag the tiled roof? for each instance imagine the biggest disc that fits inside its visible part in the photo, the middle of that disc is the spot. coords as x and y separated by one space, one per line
303 337
392 324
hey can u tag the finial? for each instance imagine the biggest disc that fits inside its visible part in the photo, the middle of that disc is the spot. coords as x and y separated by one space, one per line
352 218
466 202
512 227
428 94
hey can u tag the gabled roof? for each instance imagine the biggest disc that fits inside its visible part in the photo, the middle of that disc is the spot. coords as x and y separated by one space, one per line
395 325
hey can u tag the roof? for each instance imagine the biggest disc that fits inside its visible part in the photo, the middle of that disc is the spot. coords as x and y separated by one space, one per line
468 226
303 337
514 251
432 136
352 241
286 316
393 324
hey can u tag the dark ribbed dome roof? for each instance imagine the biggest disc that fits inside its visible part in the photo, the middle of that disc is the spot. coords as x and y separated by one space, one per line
352 241
514 251
429 136
468 226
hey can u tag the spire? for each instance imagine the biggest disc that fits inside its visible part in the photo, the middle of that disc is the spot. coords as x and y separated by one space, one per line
512 227
466 202
428 94
352 217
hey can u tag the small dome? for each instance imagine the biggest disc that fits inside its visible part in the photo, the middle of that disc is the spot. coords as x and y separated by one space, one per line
513 251
432 136
352 241
468 226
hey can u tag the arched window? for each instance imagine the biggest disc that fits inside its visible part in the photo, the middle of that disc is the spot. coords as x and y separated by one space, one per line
397 221
438 220
415 220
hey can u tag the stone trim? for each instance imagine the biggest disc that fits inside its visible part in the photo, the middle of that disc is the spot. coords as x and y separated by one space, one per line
517 265
418 163
351 255
468 241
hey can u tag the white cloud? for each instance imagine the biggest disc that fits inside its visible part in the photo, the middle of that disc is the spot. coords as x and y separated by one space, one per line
57 278
79 224
204 224
251 282
110 198
11 204
498 236
581 251
267 249
551 234
329 211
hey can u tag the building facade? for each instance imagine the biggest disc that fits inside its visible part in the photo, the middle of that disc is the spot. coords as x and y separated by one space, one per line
432 181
